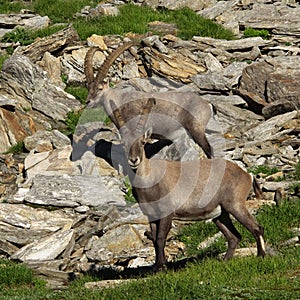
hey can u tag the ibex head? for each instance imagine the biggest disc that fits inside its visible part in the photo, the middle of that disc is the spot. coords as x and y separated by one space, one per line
134 139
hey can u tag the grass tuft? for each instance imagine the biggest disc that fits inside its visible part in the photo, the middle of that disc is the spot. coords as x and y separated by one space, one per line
250 32
13 274
263 169
16 148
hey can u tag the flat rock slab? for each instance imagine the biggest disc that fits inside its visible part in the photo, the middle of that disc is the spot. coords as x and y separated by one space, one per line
74 191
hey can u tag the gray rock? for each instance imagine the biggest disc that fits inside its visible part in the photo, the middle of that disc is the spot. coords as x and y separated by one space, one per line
20 76
46 140
274 79
46 248
74 191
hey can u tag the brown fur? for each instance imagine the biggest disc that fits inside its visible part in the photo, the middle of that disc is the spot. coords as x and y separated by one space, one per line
192 190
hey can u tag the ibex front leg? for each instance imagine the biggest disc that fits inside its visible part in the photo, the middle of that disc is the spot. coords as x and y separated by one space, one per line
162 228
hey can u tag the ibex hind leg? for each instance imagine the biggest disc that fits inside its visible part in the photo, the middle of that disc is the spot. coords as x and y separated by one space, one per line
198 134
246 219
233 237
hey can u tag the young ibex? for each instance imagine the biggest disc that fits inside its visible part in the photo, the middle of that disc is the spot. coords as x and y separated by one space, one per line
172 111
191 190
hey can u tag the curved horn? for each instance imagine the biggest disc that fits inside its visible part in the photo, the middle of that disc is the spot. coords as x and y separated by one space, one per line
88 65
102 72
145 114
94 82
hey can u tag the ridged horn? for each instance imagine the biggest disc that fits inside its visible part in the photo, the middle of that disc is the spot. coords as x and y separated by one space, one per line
88 65
93 82
103 70
145 115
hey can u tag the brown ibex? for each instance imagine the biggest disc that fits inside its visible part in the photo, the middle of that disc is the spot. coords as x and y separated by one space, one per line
173 109
190 190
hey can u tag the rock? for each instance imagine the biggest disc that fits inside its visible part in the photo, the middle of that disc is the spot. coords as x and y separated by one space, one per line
114 245
278 107
270 129
72 65
42 141
96 40
52 162
38 92
51 44
46 248
74 191
174 64
274 79
107 283
36 23
52 66
194 5
15 125
27 20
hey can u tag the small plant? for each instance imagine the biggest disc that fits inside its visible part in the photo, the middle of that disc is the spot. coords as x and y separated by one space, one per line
61 11
251 32
72 121
92 115
296 175
17 148
3 58
263 169
107 121
128 191
8 6
24 37
79 92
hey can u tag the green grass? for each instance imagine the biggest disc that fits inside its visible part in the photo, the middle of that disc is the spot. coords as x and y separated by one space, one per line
296 175
61 10
3 58
14 274
277 222
16 148
263 169
241 278
8 6
250 32
188 23
26 37
132 18
79 92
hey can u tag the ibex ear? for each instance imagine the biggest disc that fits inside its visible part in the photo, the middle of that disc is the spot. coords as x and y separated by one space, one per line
147 134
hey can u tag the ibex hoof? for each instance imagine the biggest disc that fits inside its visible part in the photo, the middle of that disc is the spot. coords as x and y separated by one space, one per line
159 267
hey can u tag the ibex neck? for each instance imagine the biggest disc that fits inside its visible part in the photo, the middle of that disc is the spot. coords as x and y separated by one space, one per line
149 173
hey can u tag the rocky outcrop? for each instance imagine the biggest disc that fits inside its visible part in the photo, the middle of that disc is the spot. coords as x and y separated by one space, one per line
62 207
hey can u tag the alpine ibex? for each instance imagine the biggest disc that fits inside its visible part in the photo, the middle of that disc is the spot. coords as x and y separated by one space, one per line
190 190
173 109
